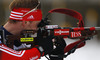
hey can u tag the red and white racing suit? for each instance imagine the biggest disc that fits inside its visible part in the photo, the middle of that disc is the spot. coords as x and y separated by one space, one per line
9 54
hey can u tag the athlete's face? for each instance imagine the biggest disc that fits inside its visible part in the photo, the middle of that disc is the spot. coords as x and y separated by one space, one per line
31 25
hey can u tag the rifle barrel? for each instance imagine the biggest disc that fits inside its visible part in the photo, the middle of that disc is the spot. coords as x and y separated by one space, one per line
96 28
84 28
74 28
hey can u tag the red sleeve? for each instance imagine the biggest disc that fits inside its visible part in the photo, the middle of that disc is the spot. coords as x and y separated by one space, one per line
9 54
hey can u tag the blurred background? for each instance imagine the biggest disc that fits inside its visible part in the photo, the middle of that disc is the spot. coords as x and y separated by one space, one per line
90 10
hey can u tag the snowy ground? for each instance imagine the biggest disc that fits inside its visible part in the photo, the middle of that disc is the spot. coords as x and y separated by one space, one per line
91 51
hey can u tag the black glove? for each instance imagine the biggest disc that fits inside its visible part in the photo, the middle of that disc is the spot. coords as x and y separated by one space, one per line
59 49
46 42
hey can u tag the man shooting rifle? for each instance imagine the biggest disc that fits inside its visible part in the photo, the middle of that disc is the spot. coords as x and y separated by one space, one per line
25 15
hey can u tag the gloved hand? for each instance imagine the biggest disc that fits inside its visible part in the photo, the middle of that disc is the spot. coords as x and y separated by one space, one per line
87 33
46 43
59 49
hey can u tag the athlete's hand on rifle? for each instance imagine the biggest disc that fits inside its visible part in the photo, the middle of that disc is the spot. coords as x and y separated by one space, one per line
45 42
59 50
88 33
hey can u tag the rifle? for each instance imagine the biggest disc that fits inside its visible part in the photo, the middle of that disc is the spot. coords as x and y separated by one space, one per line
80 32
